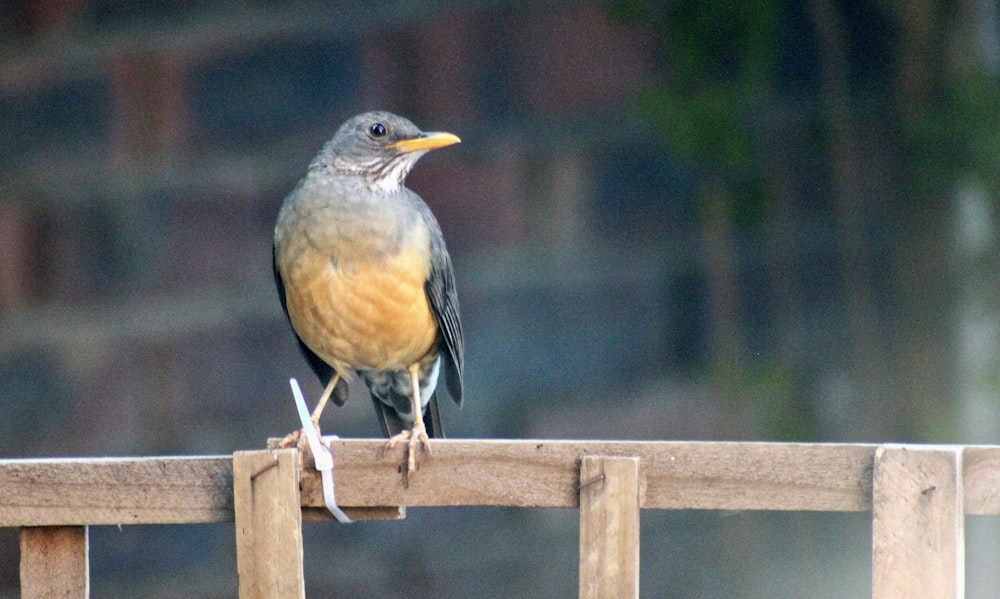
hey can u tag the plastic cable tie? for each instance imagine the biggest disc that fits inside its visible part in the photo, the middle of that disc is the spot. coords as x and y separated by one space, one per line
321 454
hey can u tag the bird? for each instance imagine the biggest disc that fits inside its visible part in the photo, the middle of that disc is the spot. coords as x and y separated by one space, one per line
366 281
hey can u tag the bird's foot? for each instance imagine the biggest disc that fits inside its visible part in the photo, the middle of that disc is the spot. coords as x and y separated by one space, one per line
300 441
413 437
290 439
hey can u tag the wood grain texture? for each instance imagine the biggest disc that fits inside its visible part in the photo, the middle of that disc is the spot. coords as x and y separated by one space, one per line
55 562
981 477
542 473
525 473
609 528
268 524
116 491
917 523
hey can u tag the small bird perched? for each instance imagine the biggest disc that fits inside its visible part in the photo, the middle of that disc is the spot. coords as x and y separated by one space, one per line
366 281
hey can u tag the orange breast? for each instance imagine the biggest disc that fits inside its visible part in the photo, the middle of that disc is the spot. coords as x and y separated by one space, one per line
370 314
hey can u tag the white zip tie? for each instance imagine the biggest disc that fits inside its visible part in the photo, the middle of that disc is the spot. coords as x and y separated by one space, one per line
321 453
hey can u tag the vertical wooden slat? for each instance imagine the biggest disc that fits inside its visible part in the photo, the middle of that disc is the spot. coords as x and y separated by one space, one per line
268 524
54 562
609 527
918 523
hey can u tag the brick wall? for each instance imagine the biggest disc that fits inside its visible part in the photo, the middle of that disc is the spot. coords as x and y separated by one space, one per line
148 147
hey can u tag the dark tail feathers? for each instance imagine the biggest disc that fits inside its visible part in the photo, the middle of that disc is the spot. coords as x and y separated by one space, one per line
392 424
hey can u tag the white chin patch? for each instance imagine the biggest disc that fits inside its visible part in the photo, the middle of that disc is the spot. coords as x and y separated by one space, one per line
389 178
386 185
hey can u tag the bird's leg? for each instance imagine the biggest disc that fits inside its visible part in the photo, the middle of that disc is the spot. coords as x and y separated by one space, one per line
418 433
324 399
296 437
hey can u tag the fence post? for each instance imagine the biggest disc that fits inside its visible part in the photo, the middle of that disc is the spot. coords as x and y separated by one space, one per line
917 523
268 524
609 527
54 562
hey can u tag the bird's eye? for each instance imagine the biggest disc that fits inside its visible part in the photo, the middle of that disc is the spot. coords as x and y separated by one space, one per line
377 130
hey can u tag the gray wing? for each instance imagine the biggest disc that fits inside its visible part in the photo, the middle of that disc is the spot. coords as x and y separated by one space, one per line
443 299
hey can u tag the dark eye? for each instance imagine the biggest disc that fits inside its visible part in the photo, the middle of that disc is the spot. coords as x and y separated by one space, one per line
377 130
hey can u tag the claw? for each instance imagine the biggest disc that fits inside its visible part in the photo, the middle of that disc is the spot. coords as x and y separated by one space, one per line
413 437
290 439
298 439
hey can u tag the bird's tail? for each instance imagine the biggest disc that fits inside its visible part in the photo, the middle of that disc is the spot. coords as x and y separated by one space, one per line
392 424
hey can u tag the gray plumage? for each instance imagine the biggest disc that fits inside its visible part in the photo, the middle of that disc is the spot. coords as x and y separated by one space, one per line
352 212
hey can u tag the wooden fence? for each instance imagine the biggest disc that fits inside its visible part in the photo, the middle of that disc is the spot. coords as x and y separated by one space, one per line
918 496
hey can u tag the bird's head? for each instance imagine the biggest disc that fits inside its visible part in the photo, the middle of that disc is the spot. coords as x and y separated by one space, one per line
381 147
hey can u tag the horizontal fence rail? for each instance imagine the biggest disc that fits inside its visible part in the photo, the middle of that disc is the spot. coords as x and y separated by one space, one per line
917 494
522 473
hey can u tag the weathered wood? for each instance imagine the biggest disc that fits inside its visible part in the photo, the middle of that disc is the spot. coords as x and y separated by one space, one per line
920 495
268 524
358 514
526 473
609 527
981 477
55 563
116 491
917 523
320 513
542 473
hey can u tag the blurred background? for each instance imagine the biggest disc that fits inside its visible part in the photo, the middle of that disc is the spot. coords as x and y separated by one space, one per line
691 219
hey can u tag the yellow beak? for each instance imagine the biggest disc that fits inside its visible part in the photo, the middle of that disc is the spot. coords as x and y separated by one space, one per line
427 141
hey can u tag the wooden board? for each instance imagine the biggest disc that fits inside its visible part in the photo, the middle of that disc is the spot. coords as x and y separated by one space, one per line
981 478
917 523
525 473
537 473
268 524
116 491
609 528
54 563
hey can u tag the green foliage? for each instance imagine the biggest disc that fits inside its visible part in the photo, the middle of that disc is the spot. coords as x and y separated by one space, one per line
703 123
788 414
957 134
910 132
709 40
719 58
722 41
